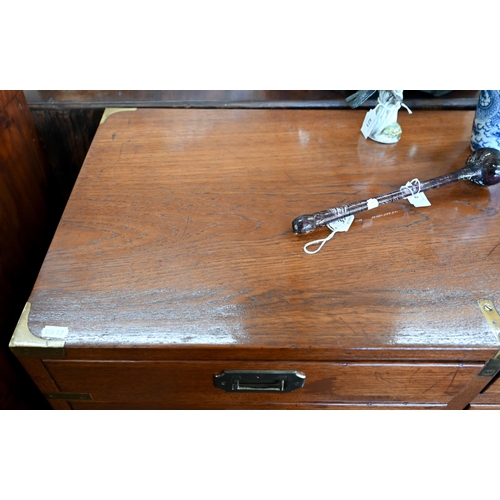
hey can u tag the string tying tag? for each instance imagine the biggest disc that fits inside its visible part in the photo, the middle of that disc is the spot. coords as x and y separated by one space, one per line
319 242
396 101
407 108
414 183
417 198
337 226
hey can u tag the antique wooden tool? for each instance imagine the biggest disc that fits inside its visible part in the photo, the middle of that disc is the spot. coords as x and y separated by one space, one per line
482 167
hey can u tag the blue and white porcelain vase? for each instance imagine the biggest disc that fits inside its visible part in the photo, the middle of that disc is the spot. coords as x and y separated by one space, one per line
486 126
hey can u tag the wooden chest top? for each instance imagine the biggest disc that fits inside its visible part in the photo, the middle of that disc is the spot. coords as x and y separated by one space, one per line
177 239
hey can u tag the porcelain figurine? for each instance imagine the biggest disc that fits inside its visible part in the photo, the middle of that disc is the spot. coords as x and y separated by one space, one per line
381 123
386 128
486 125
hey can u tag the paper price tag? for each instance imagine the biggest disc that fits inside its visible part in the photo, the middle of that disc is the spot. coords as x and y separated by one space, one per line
368 123
341 224
55 332
419 200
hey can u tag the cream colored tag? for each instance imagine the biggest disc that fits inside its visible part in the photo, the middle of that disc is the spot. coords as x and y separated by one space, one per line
368 123
55 332
419 200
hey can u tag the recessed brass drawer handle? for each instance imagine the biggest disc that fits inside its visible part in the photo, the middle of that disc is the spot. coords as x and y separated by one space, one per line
259 380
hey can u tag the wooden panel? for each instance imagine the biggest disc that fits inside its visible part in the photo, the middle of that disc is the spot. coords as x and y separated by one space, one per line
75 405
66 135
66 120
178 233
23 199
53 99
24 237
43 380
190 385
176 244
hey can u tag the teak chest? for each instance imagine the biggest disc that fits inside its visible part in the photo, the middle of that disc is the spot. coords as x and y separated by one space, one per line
175 280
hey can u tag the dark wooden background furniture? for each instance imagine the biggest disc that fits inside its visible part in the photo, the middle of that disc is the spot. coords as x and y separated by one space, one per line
25 234
175 261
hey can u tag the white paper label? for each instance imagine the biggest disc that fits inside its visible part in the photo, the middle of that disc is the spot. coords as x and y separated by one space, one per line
55 332
419 200
368 123
372 203
341 224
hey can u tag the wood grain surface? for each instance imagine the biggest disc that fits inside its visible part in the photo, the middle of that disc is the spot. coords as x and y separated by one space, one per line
178 232
175 259
67 120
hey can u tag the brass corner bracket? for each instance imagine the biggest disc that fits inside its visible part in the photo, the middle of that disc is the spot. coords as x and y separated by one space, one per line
24 343
111 111
491 315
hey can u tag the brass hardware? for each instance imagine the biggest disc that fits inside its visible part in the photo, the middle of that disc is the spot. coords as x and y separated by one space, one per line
492 367
111 111
24 343
259 381
68 396
491 314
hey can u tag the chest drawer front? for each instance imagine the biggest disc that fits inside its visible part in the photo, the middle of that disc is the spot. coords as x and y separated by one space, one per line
189 385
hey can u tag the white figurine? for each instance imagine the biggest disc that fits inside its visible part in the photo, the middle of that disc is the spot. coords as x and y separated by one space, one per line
381 123
386 128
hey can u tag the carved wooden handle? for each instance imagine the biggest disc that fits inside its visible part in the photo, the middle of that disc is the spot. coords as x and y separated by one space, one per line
482 167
